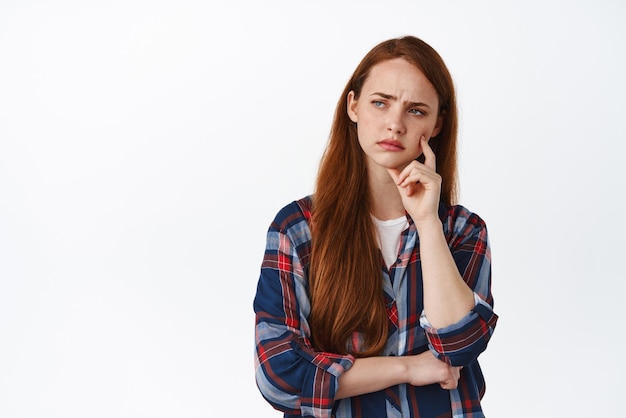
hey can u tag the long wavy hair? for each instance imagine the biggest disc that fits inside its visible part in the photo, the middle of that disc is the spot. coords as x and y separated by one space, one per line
347 300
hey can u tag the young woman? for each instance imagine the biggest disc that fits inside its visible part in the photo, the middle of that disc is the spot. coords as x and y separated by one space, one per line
374 298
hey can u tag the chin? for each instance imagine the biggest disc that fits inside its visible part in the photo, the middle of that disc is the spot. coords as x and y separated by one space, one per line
400 165
391 161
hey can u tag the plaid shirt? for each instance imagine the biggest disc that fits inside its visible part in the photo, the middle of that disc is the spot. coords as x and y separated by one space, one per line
301 382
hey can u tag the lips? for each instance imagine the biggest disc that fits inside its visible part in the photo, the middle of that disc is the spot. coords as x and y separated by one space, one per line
391 145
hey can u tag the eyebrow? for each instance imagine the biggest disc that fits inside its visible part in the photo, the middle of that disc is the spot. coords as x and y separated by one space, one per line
392 97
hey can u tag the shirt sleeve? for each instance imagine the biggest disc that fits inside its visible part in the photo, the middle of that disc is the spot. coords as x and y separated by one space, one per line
460 344
290 374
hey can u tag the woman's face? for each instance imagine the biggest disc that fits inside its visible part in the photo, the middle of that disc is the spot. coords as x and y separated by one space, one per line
396 107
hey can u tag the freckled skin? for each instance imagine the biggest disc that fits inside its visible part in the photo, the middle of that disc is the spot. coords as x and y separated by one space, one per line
399 104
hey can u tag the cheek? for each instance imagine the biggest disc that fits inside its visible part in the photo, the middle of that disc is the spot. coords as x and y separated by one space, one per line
365 128
426 128
361 134
417 151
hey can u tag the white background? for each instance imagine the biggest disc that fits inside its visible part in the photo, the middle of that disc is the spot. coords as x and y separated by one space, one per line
145 146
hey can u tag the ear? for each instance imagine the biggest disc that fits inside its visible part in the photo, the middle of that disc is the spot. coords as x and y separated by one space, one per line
438 127
352 102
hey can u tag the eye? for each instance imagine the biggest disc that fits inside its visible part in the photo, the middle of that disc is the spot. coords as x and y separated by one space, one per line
416 112
378 103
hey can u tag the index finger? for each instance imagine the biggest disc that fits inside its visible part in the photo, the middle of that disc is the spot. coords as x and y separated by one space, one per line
429 155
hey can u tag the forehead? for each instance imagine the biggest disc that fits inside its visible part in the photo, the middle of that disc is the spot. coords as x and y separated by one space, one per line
400 78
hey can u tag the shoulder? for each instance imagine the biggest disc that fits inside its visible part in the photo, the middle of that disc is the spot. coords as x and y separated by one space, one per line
293 212
458 221
293 219
459 213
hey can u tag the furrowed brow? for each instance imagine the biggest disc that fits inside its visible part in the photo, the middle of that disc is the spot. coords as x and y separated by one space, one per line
385 96
418 104
392 97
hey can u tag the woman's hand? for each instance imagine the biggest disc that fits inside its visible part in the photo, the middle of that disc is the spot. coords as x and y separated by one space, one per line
425 369
420 186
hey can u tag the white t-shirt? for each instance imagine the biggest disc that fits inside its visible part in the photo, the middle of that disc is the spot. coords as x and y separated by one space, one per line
389 237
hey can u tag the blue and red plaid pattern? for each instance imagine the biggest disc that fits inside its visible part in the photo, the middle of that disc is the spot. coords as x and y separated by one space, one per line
301 382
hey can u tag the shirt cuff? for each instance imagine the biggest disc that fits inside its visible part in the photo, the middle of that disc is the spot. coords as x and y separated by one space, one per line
426 324
460 343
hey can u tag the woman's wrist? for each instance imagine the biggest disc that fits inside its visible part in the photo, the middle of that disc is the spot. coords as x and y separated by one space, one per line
404 369
428 225
372 374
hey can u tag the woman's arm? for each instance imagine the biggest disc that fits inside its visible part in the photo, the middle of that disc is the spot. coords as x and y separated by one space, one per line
372 374
447 298
461 342
456 267
290 374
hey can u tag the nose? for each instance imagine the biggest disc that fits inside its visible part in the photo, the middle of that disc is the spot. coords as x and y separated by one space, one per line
395 122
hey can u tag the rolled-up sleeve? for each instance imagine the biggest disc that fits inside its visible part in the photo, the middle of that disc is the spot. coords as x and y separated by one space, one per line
290 374
460 344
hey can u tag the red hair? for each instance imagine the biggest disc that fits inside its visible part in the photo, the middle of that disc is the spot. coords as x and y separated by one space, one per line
345 269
